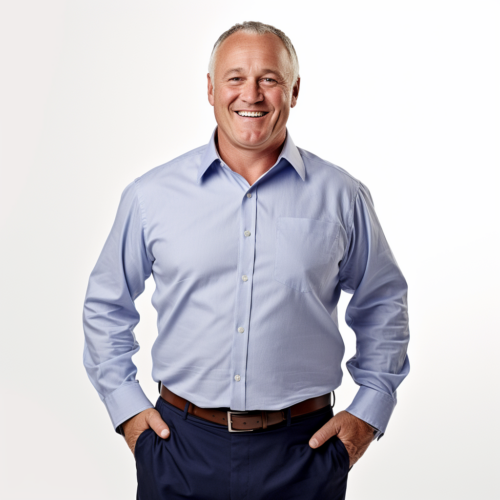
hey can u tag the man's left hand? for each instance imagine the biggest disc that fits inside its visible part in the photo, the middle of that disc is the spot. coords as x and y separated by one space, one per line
355 433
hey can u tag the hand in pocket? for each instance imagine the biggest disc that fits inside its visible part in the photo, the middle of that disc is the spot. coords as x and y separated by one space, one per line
135 426
355 434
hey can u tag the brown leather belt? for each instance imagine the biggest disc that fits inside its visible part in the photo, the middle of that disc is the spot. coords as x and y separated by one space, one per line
241 421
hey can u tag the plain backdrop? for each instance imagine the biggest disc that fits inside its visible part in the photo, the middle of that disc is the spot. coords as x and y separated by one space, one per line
402 94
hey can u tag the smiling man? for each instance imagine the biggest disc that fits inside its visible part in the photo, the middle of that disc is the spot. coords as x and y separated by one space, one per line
250 241
252 85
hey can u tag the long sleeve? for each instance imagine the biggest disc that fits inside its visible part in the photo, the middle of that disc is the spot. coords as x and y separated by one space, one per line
110 315
378 314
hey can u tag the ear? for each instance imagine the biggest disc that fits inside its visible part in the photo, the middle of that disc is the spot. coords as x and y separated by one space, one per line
295 93
210 90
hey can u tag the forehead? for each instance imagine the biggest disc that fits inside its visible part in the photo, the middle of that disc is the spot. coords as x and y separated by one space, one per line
251 50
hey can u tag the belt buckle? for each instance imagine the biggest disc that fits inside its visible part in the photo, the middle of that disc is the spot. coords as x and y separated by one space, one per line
229 428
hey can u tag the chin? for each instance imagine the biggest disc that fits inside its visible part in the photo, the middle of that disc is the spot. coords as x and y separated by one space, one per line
251 139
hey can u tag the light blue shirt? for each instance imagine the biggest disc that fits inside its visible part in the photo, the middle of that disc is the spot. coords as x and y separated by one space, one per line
248 278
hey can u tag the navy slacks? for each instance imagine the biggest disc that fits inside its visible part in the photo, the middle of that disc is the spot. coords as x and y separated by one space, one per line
203 460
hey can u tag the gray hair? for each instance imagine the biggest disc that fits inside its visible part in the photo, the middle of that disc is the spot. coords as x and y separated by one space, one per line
259 29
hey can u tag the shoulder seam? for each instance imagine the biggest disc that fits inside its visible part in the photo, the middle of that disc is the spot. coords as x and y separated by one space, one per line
143 215
350 224
351 208
139 201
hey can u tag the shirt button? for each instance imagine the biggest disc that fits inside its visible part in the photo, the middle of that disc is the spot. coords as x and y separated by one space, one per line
244 277
249 195
247 233
237 378
241 329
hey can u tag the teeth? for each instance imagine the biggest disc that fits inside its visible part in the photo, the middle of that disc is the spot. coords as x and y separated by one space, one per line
253 114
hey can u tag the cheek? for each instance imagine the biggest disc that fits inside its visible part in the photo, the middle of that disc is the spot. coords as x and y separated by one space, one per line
280 100
224 96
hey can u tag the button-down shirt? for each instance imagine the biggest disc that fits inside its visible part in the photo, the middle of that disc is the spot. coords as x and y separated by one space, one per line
248 278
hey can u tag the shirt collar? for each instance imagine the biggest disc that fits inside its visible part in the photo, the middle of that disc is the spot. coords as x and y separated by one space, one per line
289 152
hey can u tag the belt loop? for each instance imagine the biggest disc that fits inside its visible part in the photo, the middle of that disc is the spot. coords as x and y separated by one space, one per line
263 414
186 408
289 416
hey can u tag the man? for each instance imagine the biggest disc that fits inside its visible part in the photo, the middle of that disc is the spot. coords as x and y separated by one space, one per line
250 241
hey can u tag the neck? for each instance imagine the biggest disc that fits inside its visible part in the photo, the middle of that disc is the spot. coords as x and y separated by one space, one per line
249 163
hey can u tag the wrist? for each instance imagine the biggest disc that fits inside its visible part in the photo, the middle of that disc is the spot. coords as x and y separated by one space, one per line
376 432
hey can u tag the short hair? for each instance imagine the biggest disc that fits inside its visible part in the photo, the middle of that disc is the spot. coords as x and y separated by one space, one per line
259 29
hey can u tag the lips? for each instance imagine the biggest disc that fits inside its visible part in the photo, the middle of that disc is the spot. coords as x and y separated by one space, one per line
252 114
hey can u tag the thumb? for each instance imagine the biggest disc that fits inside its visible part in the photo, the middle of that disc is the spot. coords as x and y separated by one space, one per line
156 423
322 435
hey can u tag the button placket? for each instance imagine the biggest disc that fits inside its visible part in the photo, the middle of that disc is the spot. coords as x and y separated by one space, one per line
243 299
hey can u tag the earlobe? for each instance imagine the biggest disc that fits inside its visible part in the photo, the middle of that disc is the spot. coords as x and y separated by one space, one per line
295 93
210 90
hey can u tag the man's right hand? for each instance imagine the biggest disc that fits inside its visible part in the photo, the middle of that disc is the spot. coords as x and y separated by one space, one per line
135 426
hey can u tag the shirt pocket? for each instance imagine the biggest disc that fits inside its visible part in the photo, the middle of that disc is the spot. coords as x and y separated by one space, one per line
305 252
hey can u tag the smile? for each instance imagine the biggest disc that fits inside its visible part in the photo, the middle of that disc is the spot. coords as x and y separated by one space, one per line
251 114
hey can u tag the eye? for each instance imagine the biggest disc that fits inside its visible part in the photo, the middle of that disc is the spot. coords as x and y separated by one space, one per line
235 79
269 80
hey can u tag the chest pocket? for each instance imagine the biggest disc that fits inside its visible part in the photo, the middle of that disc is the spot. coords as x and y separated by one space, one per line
305 252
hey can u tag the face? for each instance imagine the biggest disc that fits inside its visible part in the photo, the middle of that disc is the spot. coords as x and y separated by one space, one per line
252 91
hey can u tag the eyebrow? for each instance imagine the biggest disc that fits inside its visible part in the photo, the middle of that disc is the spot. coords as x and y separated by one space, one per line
265 71
233 70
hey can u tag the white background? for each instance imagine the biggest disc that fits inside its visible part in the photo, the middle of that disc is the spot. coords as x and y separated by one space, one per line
402 94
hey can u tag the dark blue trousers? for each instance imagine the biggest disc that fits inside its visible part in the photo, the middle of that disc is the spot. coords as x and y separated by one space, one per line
203 460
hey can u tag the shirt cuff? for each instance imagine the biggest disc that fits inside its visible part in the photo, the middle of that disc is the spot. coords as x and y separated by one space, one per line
125 402
374 407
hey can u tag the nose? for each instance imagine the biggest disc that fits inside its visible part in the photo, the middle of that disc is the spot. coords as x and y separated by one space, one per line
251 92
